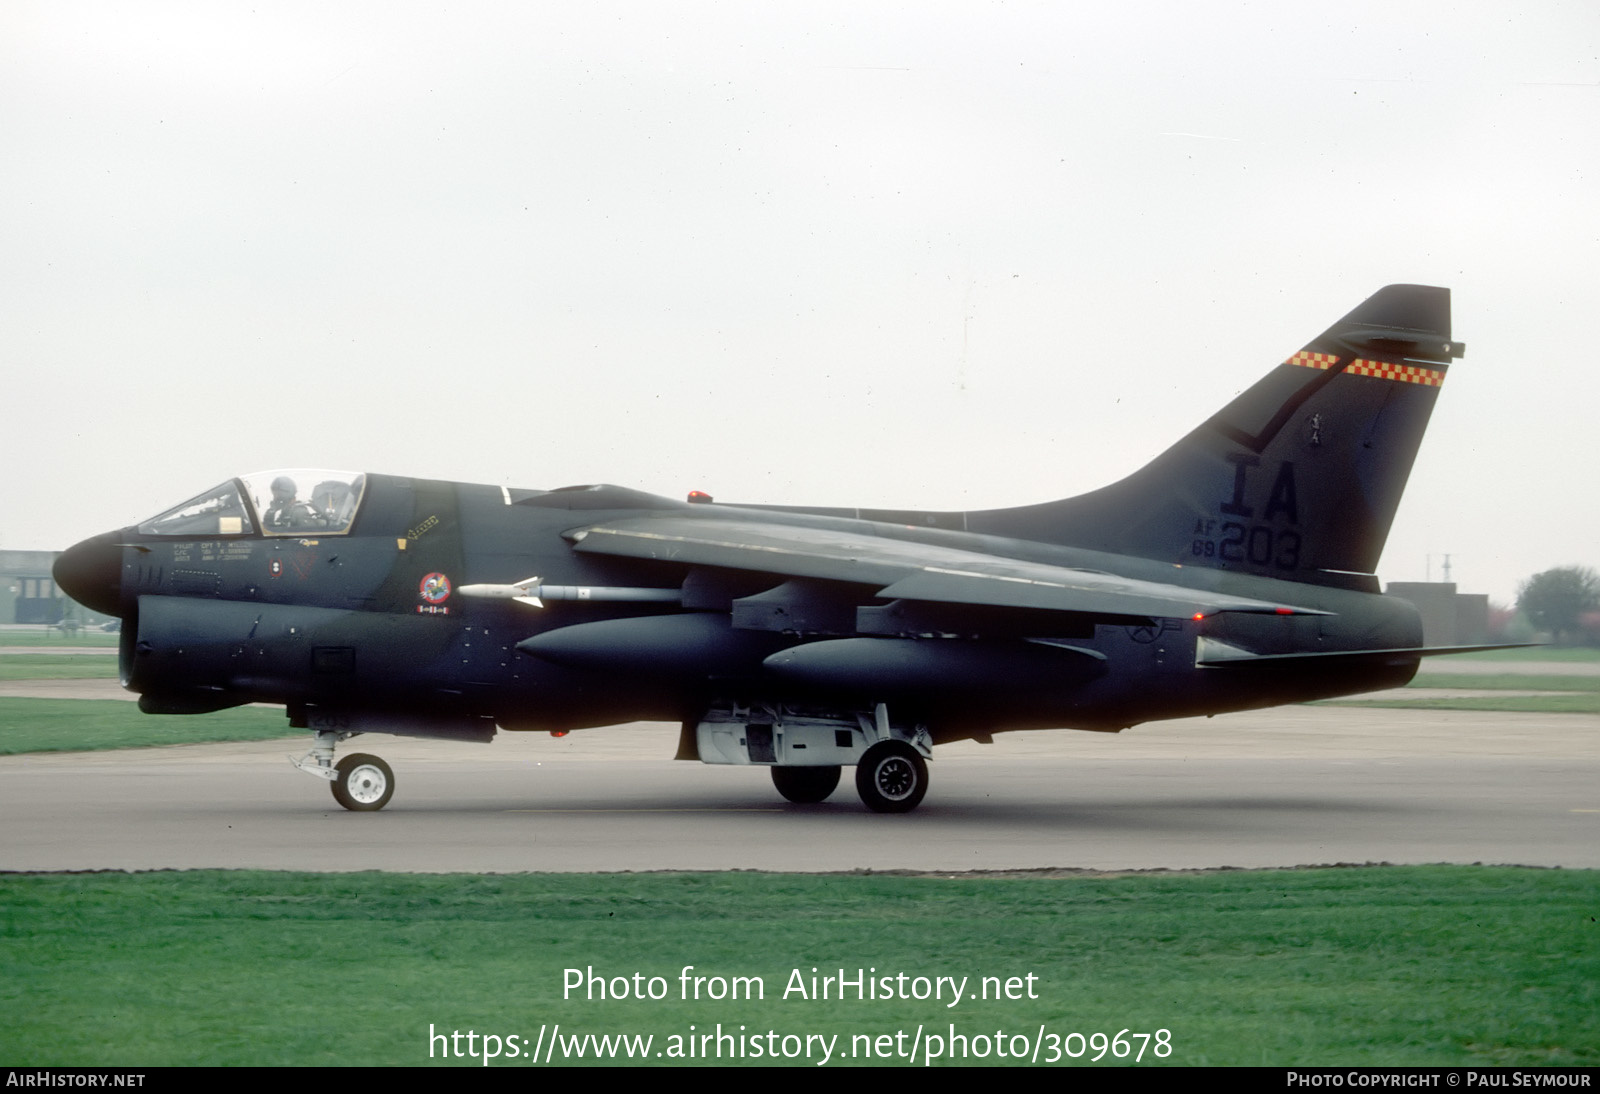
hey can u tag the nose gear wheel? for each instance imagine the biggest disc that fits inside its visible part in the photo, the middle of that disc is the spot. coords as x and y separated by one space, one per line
364 783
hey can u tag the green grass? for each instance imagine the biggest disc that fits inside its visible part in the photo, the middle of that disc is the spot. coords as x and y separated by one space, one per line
1369 966
1573 694
51 637
1508 681
1534 653
58 666
56 725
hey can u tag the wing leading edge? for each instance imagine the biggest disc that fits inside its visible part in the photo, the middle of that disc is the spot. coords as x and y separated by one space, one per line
905 570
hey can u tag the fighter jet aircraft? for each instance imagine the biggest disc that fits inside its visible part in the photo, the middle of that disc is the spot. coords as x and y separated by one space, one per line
1233 572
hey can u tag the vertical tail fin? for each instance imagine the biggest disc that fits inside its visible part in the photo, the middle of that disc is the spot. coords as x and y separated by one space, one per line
1297 478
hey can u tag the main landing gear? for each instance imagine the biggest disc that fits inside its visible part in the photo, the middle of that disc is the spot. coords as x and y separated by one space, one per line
891 777
361 783
807 749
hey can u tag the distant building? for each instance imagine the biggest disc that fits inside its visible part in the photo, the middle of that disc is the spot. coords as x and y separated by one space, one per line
1449 618
28 593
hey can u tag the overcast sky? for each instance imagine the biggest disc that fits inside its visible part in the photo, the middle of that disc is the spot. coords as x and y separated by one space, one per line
939 256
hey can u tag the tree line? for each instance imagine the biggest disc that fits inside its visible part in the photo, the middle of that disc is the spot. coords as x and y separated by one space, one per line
1563 603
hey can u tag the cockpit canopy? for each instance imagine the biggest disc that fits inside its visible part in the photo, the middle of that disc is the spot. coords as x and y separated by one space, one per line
294 501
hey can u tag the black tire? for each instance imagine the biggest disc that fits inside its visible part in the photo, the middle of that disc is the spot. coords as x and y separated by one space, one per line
365 783
806 785
891 777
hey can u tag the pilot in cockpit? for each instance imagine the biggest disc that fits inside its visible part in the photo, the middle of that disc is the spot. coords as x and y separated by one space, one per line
287 512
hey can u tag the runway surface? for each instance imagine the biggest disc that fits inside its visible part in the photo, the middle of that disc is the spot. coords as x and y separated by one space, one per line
1293 786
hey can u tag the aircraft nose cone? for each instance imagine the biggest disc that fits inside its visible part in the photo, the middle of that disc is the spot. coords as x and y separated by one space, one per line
91 573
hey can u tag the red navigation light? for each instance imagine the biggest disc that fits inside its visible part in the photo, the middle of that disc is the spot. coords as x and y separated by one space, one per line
699 497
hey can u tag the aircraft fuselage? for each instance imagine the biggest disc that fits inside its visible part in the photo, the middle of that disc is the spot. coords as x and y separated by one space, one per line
1234 571
369 625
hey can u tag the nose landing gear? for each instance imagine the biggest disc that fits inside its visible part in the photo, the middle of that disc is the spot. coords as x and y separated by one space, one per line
360 782
364 783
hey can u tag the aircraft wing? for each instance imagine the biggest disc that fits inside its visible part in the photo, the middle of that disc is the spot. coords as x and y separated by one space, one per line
902 569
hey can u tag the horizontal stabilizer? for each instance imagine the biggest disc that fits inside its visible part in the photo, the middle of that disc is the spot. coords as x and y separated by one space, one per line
1214 654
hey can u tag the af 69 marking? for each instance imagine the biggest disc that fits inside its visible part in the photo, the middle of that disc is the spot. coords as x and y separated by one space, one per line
1258 544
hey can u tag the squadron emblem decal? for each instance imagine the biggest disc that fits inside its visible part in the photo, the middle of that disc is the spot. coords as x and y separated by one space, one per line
435 588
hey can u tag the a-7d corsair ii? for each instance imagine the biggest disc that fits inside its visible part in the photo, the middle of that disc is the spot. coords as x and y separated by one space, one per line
1232 572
